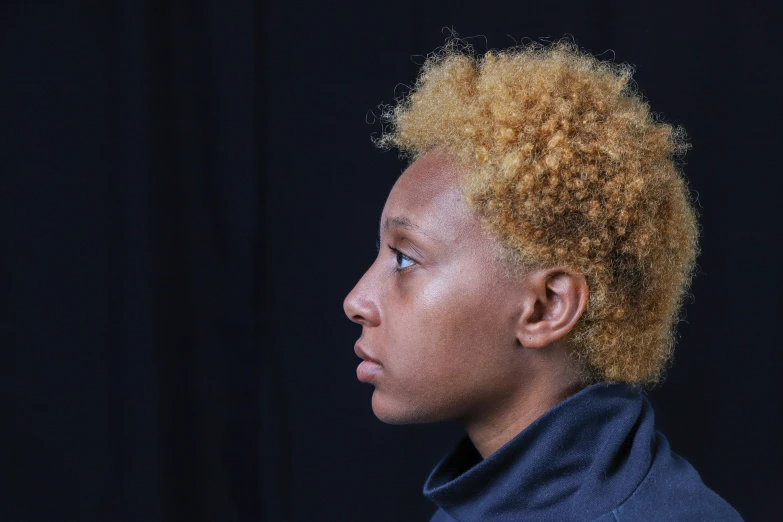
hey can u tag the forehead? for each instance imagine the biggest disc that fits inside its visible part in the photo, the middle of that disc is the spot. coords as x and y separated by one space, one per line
428 194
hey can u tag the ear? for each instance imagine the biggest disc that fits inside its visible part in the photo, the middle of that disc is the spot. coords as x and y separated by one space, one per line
552 302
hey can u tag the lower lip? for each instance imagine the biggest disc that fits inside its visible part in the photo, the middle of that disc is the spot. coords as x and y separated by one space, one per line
367 370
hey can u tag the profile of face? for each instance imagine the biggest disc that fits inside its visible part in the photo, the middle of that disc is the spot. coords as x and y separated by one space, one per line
446 334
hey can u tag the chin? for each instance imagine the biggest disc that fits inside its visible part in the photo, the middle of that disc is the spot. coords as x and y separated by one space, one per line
395 411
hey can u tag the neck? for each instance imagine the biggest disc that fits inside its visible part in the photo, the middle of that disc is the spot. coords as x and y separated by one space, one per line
495 426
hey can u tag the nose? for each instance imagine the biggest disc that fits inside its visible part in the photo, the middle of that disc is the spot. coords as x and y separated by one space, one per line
360 305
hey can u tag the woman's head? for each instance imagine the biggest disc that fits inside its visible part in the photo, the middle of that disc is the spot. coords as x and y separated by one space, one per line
544 222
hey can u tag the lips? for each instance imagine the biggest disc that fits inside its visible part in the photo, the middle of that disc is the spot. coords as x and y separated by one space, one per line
359 351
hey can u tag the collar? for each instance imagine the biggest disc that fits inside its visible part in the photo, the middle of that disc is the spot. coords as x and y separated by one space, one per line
582 458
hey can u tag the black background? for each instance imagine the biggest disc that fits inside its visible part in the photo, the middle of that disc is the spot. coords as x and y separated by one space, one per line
188 191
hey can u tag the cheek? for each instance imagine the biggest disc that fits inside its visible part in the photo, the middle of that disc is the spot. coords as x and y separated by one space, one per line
444 347
448 334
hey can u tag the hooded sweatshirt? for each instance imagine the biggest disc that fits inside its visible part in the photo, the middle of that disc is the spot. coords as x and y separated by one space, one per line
594 457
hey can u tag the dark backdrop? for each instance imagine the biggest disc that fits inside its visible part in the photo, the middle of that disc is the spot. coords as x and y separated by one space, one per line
188 191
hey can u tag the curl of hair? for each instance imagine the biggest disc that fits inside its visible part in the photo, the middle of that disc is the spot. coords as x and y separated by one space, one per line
567 166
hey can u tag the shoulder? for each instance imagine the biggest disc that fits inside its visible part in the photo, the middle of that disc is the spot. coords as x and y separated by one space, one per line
674 491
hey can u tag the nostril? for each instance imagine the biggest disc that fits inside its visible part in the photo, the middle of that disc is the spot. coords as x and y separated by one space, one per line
358 319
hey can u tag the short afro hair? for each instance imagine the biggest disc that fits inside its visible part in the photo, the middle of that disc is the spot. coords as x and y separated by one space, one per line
567 166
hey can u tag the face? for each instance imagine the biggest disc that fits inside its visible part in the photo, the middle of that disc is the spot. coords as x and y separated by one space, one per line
437 312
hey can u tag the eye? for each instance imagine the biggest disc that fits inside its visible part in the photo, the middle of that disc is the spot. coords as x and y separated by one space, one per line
403 261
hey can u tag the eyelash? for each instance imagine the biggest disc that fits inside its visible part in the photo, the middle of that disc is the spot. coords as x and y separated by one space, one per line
398 253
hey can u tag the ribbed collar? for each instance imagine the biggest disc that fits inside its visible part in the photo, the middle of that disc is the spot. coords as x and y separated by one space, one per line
577 461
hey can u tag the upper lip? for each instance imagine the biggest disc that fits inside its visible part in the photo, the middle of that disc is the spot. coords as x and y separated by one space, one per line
359 351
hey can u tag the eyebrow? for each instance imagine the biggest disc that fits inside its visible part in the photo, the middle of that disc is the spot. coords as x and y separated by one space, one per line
400 222
393 222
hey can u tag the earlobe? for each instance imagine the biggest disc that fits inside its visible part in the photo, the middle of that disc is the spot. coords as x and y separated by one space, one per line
553 301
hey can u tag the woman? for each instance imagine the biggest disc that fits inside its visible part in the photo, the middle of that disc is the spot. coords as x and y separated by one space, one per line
531 266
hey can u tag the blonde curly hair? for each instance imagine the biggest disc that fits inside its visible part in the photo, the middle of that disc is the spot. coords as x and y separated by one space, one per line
567 165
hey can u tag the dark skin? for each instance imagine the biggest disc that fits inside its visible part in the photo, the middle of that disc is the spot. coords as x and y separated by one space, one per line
457 338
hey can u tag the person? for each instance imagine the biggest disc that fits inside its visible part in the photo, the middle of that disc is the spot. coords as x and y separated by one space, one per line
531 268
